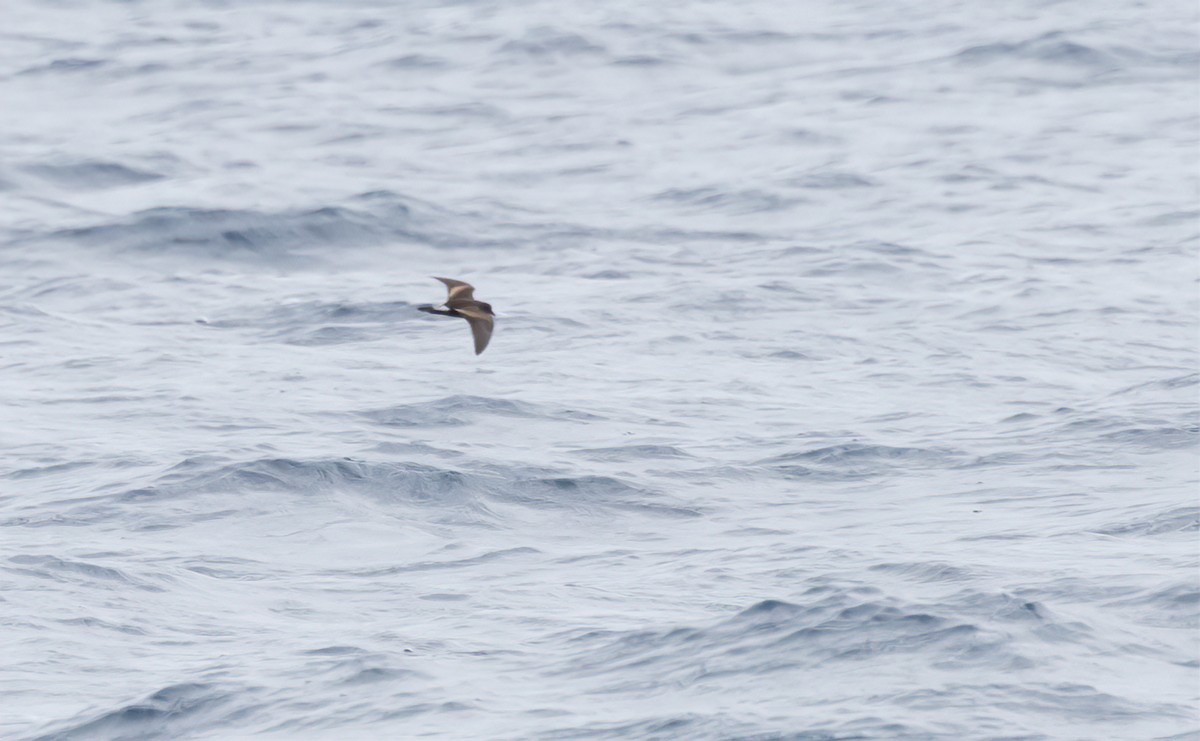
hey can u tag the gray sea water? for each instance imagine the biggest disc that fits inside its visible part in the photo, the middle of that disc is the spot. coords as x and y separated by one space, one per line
844 381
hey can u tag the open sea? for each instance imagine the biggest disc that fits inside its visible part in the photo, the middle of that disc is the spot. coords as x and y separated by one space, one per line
844 383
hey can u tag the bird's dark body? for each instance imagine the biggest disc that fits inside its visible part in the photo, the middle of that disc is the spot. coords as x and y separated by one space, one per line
429 309
461 303
451 311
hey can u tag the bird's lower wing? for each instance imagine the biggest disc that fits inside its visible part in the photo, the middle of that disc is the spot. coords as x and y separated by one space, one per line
481 328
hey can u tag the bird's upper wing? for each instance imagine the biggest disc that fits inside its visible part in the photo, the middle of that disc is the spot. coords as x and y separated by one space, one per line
481 327
458 289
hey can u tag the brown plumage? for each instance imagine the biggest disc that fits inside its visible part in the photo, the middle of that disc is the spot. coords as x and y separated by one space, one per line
461 303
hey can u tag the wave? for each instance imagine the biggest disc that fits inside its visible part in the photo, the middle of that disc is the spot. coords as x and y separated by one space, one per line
460 409
370 218
1051 47
1156 438
694 726
64 65
350 665
632 452
233 233
830 180
80 572
313 323
1054 58
825 627
726 200
1177 520
544 41
91 174
857 460
208 488
416 62
174 711
1175 606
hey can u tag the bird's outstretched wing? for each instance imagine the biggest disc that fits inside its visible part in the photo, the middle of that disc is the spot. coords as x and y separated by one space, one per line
481 327
458 289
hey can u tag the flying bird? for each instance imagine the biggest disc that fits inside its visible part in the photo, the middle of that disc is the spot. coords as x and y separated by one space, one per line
461 303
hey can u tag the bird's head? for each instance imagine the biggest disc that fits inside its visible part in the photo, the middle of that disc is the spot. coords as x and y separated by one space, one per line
487 307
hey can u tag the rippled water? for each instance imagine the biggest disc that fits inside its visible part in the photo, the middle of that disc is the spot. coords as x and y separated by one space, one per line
844 383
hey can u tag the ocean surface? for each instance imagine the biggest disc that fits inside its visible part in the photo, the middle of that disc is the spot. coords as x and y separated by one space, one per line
844 382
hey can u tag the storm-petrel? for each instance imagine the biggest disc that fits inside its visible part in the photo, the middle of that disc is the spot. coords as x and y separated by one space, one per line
461 303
